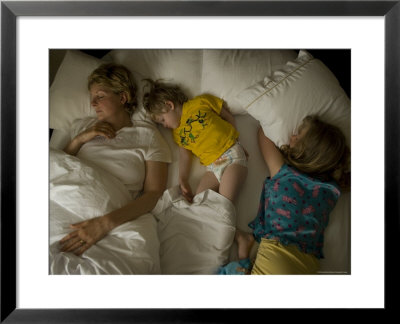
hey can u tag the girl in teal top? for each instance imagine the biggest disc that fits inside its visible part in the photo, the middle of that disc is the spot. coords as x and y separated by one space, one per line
294 209
295 202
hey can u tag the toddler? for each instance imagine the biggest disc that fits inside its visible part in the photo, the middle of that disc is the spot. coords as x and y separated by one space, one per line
202 126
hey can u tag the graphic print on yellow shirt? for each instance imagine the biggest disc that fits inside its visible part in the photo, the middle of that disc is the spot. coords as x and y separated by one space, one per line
203 131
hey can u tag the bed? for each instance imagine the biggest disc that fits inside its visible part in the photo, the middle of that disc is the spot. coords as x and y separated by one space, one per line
273 89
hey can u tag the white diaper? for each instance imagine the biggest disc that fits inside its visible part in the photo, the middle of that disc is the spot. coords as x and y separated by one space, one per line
234 155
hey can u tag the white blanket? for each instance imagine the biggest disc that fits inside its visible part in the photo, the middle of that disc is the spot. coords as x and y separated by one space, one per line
194 238
79 191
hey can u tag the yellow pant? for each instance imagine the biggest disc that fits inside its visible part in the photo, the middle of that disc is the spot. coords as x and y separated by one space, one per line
274 258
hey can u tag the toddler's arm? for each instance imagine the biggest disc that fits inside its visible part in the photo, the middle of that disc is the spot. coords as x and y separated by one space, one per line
185 163
226 114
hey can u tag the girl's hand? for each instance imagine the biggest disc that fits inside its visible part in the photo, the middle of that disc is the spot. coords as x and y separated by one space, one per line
85 234
186 191
99 129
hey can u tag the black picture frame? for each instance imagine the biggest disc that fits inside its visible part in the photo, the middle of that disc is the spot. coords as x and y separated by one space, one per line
390 10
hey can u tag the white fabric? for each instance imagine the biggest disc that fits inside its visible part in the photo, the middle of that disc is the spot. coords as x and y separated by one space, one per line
303 87
124 155
69 97
180 66
187 68
194 238
227 72
337 234
79 192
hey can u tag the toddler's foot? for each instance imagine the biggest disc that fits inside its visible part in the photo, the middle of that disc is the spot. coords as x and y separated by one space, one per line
245 242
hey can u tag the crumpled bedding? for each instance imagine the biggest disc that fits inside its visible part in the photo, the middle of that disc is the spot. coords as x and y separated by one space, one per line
194 238
80 191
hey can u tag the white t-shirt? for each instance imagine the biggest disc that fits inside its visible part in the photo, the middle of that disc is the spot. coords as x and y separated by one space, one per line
124 156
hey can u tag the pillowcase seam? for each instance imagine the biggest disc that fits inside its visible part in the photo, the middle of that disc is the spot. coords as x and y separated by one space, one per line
280 81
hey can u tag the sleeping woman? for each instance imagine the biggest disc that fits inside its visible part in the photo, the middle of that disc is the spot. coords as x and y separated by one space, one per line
131 151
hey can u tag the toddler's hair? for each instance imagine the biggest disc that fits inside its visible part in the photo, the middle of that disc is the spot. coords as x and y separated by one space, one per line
160 92
322 152
118 79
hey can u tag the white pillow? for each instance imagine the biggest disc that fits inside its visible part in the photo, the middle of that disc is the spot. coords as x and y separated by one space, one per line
69 96
179 66
226 72
303 87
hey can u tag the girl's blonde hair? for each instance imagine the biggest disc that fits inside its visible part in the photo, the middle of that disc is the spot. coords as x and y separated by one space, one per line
322 152
154 101
118 79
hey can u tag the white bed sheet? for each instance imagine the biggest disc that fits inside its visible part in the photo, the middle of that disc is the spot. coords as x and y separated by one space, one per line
178 66
194 238
337 235
79 192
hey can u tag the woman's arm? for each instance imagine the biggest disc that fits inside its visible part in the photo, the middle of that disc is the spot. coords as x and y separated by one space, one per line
271 154
93 230
99 129
154 185
185 163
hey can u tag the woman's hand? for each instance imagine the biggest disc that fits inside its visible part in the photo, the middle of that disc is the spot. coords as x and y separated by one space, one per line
85 234
99 129
186 190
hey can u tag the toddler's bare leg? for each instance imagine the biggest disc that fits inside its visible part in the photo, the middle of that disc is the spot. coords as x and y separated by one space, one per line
208 181
232 181
244 241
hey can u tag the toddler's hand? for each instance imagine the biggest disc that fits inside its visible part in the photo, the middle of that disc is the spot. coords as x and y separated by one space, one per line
246 153
186 191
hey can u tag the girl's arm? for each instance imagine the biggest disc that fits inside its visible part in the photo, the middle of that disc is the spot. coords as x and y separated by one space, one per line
93 230
185 163
271 154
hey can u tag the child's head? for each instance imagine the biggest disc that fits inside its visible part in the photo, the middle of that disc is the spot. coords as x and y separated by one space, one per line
163 102
319 149
118 79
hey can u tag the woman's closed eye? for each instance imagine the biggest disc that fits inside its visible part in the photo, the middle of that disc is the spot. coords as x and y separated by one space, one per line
96 98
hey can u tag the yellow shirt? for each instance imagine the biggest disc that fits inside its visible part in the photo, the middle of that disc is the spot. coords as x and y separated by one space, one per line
202 130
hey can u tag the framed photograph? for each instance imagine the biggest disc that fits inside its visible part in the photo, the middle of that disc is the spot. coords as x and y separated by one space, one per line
29 30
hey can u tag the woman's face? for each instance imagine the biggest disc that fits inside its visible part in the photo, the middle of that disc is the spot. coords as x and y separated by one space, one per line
105 102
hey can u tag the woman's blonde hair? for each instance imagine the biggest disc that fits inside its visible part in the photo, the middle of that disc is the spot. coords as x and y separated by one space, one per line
322 152
118 79
160 92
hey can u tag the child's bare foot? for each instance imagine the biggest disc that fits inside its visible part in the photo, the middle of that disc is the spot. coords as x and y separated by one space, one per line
245 242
